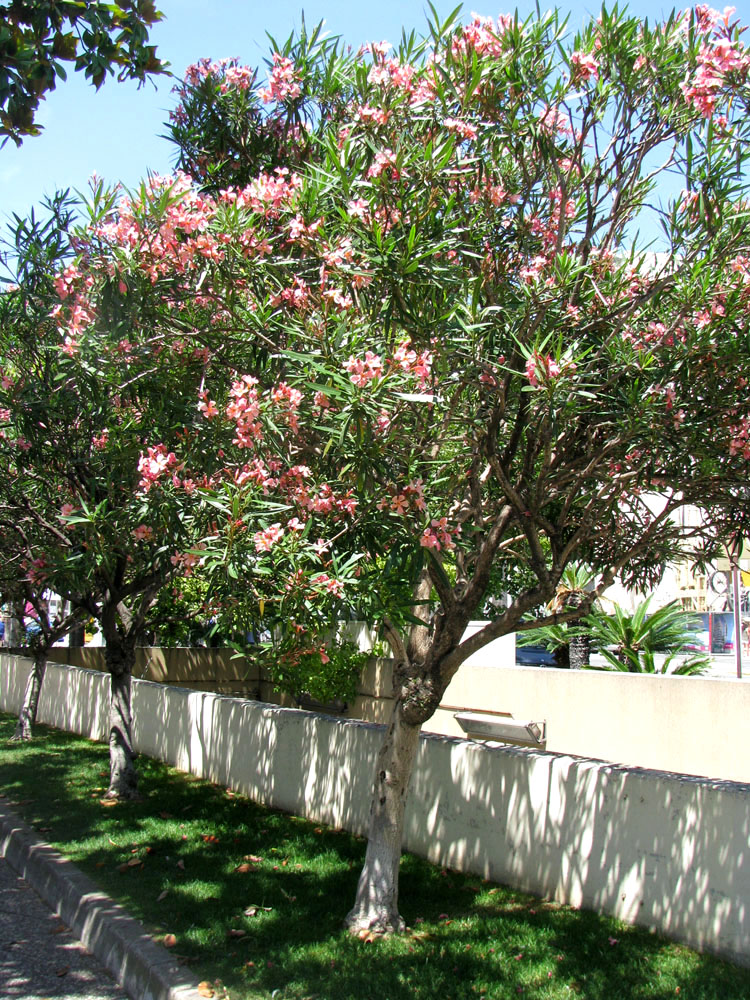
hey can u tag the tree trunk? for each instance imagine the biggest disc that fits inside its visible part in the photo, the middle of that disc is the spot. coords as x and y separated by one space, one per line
76 636
579 652
376 906
27 715
13 637
123 780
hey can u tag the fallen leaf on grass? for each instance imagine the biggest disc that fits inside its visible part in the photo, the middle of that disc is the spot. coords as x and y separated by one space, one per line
236 932
368 935
162 895
253 910
209 838
108 803
63 971
206 990
169 940
244 868
181 864
134 862
252 857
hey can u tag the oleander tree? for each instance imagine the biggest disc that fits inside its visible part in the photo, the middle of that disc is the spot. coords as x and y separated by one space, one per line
482 303
76 510
30 605
39 37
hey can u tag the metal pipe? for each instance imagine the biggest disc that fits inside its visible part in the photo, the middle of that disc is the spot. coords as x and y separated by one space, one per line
737 622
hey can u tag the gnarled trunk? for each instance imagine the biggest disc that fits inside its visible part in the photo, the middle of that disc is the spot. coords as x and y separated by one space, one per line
376 906
120 659
27 715
13 634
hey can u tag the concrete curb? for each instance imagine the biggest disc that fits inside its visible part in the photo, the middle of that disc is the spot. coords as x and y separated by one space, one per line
143 969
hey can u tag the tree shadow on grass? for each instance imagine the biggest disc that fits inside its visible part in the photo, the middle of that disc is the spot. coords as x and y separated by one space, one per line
255 898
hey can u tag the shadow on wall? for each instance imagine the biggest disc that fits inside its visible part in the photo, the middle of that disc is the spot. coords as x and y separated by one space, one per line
299 761
658 849
654 848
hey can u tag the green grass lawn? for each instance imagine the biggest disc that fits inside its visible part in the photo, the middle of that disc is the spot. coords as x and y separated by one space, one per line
252 900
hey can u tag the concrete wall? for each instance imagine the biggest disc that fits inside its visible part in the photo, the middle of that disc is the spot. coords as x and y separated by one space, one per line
694 725
663 850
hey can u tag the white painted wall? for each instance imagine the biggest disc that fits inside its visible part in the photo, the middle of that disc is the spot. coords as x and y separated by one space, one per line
663 850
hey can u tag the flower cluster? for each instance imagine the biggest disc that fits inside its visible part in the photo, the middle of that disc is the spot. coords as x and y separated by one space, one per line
266 539
362 371
437 535
541 368
719 57
283 81
156 464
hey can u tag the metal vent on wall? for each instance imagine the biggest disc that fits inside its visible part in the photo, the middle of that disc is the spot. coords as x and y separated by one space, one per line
502 729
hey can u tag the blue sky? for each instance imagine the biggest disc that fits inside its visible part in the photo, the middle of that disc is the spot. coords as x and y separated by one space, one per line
115 132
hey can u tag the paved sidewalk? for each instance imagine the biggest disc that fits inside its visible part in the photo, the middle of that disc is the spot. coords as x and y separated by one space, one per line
40 959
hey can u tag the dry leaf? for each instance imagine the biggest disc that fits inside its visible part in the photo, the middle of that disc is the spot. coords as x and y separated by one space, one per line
107 802
205 989
134 862
62 971
181 864
367 935
243 868
169 941
162 895
236 932
254 909
252 857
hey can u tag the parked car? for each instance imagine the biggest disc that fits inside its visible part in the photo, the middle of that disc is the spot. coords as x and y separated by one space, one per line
534 656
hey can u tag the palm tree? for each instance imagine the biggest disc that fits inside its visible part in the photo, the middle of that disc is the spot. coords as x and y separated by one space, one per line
629 642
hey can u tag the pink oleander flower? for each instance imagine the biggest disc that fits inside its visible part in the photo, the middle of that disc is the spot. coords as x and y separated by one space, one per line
266 539
283 81
143 533
461 128
385 161
362 371
439 536
584 66
329 583
154 465
540 366
185 561
207 407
